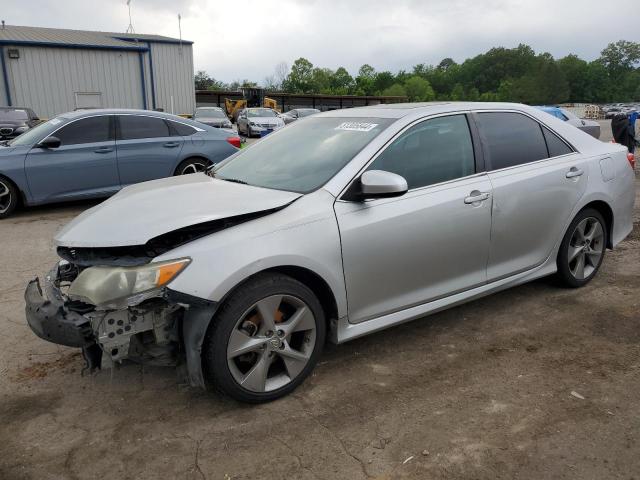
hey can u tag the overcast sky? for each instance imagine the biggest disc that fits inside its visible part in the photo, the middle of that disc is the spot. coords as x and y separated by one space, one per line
247 38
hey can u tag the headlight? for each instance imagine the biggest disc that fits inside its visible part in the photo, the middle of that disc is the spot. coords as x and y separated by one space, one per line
20 130
108 286
252 124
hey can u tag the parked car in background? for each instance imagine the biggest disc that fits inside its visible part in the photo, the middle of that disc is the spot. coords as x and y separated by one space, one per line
94 153
296 113
258 121
404 210
15 121
212 116
589 126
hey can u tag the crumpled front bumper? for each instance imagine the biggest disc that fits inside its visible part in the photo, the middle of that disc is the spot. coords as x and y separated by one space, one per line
51 320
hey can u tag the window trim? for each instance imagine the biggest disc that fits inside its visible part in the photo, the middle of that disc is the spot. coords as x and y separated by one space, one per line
478 155
540 123
112 129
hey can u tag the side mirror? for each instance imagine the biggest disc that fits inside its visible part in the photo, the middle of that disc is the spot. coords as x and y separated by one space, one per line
50 142
382 184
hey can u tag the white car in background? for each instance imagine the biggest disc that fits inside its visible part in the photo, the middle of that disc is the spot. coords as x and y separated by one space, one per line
258 122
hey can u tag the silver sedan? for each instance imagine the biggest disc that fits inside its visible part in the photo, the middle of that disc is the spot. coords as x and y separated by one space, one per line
344 224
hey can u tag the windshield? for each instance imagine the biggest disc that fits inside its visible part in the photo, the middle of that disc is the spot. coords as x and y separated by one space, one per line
13 115
210 113
303 156
38 133
260 112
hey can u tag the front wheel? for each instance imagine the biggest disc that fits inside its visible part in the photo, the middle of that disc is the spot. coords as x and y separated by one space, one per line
582 249
8 197
265 339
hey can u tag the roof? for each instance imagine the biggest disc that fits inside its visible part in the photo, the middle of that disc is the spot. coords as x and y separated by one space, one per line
56 37
399 110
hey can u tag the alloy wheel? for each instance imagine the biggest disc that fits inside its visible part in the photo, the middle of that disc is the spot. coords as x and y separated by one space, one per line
5 197
586 248
193 168
271 343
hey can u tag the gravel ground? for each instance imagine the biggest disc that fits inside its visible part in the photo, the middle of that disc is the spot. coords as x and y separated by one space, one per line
534 382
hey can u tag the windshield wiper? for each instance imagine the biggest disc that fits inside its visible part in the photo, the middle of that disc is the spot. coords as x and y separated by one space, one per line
234 180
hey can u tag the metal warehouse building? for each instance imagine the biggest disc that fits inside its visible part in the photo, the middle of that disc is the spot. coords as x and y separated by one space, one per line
55 71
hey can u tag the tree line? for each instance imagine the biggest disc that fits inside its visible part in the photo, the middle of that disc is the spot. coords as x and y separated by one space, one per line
501 74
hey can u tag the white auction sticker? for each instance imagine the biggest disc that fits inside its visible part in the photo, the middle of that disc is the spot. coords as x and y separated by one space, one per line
55 121
357 126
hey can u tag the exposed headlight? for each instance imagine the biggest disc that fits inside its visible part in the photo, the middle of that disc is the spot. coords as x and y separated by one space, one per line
113 286
253 124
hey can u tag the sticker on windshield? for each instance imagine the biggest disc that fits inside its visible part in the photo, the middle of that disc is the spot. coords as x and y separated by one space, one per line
55 121
357 126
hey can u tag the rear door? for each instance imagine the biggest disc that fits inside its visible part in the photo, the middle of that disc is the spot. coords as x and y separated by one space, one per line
83 166
429 243
146 148
537 180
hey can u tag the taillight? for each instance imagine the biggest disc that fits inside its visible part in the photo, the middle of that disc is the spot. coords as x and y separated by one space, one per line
632 160
235 141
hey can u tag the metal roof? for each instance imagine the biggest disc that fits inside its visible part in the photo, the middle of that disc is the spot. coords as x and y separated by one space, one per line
56 37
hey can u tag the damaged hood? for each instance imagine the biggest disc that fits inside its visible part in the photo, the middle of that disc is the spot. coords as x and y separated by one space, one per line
141 212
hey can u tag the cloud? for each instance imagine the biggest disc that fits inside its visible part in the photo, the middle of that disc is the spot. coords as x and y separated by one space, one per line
237 41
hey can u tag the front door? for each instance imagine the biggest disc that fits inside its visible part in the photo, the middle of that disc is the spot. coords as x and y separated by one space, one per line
83 166
147 148
429 243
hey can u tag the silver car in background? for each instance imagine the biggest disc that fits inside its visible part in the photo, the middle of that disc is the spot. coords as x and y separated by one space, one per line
348 223
258 121
296 113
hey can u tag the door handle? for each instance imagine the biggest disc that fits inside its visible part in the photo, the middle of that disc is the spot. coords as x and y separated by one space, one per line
574 172
476 196
171 144
104 150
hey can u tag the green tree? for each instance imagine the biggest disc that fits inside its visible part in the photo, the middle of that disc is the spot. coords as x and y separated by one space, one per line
575 71
395 90
365 80
300 78
620 56
457 93
382 81
419 90
342 82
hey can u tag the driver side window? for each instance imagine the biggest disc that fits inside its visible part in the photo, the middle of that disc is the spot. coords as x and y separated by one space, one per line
430 152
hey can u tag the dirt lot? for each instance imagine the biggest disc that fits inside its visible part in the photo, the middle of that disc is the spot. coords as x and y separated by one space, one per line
482 391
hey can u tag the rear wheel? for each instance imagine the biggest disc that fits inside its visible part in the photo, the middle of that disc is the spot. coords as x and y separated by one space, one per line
192 165
265 339
8 197
582 249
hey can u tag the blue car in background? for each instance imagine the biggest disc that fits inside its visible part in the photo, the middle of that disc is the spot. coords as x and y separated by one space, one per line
95 153
588 126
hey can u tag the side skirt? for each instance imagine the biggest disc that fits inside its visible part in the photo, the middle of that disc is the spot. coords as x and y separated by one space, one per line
343 331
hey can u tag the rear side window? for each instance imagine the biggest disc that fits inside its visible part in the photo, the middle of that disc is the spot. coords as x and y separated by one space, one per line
86 130
555 145
511 139
180 129
430 152
134 126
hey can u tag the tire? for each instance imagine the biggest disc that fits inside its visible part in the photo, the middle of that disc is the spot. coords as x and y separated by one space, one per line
9 197
262 365
192 165
582 249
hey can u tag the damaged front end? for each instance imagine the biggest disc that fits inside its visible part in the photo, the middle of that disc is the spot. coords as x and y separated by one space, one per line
121 312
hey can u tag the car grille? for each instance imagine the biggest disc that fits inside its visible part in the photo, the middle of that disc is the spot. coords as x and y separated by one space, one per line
267 125
6 131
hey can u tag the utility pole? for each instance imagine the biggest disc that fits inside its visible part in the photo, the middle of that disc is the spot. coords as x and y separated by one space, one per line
130 27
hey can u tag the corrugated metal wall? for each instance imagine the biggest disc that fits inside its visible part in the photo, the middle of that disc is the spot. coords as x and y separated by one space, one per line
46 79
173 76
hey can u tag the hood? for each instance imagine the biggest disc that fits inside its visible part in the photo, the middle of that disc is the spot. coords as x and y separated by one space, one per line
144 211
266 120
7 122
213 120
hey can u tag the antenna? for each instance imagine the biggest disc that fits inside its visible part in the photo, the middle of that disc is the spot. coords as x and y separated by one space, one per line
130 27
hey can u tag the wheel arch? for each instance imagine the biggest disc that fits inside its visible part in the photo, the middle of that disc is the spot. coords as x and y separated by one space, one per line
318 285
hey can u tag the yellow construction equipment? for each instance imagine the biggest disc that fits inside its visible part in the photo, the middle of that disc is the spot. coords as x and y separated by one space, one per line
251 98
